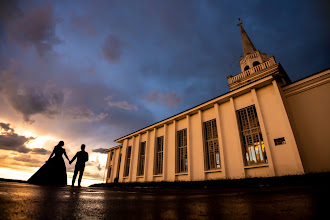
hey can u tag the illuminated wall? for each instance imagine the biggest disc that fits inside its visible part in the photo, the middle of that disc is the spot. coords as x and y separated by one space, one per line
282 113
308 104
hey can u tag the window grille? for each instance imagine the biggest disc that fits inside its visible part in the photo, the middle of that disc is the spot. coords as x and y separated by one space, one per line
182 155
254 148
212 154
128 160
142 152
159 155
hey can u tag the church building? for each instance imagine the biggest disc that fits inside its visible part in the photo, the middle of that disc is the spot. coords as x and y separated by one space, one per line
264 126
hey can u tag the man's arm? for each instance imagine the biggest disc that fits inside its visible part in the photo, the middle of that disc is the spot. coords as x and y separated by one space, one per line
75 156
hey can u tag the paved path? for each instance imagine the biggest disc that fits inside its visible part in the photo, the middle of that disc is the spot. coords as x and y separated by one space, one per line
24 201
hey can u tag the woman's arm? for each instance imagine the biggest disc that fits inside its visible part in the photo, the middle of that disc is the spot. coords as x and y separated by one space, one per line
66 156
51 154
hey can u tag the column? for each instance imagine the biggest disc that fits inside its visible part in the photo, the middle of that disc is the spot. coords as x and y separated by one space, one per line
294 148
201 143
189 151
264 132
237 134
146 163
165 147
220 139
123 160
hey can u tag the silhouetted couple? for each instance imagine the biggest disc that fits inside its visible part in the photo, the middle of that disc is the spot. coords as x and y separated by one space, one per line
53 172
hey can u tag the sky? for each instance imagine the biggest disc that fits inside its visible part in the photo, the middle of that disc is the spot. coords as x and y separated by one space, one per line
89 72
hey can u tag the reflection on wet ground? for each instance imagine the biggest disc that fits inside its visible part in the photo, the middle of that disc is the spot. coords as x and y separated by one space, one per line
24 201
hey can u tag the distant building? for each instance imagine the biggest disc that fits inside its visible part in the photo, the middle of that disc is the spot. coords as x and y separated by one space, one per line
265 126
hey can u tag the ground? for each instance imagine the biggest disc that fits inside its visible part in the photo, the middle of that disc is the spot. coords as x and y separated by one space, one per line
25 201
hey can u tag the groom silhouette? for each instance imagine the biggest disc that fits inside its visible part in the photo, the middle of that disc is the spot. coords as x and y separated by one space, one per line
82 157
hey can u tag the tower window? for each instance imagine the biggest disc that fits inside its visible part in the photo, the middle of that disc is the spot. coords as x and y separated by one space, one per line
246 68
256 63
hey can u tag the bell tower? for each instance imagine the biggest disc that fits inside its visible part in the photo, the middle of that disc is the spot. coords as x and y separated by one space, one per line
254 65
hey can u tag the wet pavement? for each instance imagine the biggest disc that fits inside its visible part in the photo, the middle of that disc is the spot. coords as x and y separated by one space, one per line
25 201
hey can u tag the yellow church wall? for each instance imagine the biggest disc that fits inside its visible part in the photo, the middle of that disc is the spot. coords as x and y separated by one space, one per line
170 153
231 141
308 121
196 148
308 105
285 157
257 172
214 175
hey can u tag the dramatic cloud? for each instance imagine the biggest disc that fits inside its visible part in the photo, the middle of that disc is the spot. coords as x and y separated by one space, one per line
120 104
112 49
34 28
100 150
6 127
9 140
169 99
29 100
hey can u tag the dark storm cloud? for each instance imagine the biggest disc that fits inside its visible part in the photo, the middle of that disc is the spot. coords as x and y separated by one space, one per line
30 99
112 49
9 140
8 10
6 127
34 28
100 150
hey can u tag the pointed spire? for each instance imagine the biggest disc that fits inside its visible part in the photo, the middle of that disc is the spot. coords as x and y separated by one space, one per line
248 46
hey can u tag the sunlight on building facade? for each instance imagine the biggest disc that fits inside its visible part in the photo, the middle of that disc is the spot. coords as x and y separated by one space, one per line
264 126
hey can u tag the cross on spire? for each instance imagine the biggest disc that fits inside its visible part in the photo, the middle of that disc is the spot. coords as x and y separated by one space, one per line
248 46
240 22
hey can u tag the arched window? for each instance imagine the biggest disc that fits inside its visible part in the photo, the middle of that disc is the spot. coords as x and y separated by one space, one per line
256 63
246 68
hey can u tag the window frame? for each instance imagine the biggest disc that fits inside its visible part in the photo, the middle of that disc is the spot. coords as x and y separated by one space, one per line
181 150
141 160
253 146
159 156
128 161
214 141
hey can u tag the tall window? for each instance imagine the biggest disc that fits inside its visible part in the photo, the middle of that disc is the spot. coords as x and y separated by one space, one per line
159 155
118 168
212 155
128 160
109 172
142 153
111 156
254 148
182 155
